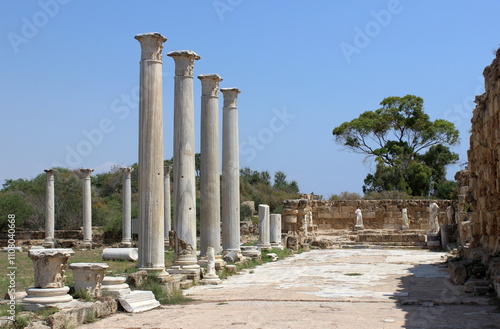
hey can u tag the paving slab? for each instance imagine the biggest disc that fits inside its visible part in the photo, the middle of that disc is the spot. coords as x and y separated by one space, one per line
334 288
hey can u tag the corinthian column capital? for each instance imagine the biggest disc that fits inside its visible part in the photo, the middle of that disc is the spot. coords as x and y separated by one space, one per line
184 62
151 45
230 96
210 84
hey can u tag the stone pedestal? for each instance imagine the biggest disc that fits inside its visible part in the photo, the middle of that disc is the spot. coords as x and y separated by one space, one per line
184 164
433 241
50 268
275 230
127 208
210 165
88 277
210 276
264 229
49 210
151 189
230 172
168 210
87 208
115 286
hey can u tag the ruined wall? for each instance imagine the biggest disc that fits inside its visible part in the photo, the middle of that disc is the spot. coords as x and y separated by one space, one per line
377 214
484 162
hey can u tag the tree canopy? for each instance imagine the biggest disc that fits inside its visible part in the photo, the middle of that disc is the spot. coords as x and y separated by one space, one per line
411 152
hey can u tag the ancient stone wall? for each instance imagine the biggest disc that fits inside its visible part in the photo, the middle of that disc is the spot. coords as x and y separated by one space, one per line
377 214
484 163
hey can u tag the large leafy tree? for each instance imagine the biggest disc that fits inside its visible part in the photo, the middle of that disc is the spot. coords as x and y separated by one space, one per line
411 152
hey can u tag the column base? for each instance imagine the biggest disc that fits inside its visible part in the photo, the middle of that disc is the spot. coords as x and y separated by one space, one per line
86 244
126 243
48 244
191 271
40 297
210 279
162 274
277 246
359 227
265 247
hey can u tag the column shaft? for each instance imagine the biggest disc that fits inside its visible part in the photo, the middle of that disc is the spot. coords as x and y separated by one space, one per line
230 172
151 238
210 165
127 207
264 227
184 160
49 210
167 215
275 230
87 207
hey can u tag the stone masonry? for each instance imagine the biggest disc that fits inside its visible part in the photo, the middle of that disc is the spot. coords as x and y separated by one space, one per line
377 214
484 163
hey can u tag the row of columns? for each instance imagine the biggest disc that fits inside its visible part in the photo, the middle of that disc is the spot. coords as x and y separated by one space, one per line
184 243
50 209
154 179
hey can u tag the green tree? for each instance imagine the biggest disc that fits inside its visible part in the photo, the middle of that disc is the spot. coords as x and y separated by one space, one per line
411 152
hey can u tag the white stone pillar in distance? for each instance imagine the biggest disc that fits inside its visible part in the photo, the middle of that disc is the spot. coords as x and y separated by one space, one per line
264 228
184 162
127 207
230 172
87 208
275 230
210 165
49 210
167 207
151 222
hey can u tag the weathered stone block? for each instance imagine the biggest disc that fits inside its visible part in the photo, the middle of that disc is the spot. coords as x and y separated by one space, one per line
458 271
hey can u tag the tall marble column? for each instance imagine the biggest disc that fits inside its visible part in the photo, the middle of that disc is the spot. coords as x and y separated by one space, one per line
167 207
151 222
264 227
184 164
49 210
230 172
127 207
87 208
210 165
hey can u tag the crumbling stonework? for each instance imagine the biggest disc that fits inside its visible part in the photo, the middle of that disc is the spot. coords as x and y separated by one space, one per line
377 214
484 162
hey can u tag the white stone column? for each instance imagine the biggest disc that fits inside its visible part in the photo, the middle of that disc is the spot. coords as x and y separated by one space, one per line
167 208
151 223
230 172
49 210
264 229
210 165
184 163
127 207
87 208
275 229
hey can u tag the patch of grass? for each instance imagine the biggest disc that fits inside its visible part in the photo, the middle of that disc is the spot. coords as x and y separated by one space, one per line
46 311
83 295
90 316
151 283
176 299
20 322
353 274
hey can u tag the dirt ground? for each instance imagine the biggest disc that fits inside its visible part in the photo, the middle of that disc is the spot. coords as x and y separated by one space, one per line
338 288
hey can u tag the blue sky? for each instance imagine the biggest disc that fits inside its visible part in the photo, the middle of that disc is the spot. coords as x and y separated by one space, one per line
69 73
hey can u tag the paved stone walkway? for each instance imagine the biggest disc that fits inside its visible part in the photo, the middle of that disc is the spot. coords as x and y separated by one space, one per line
339 288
